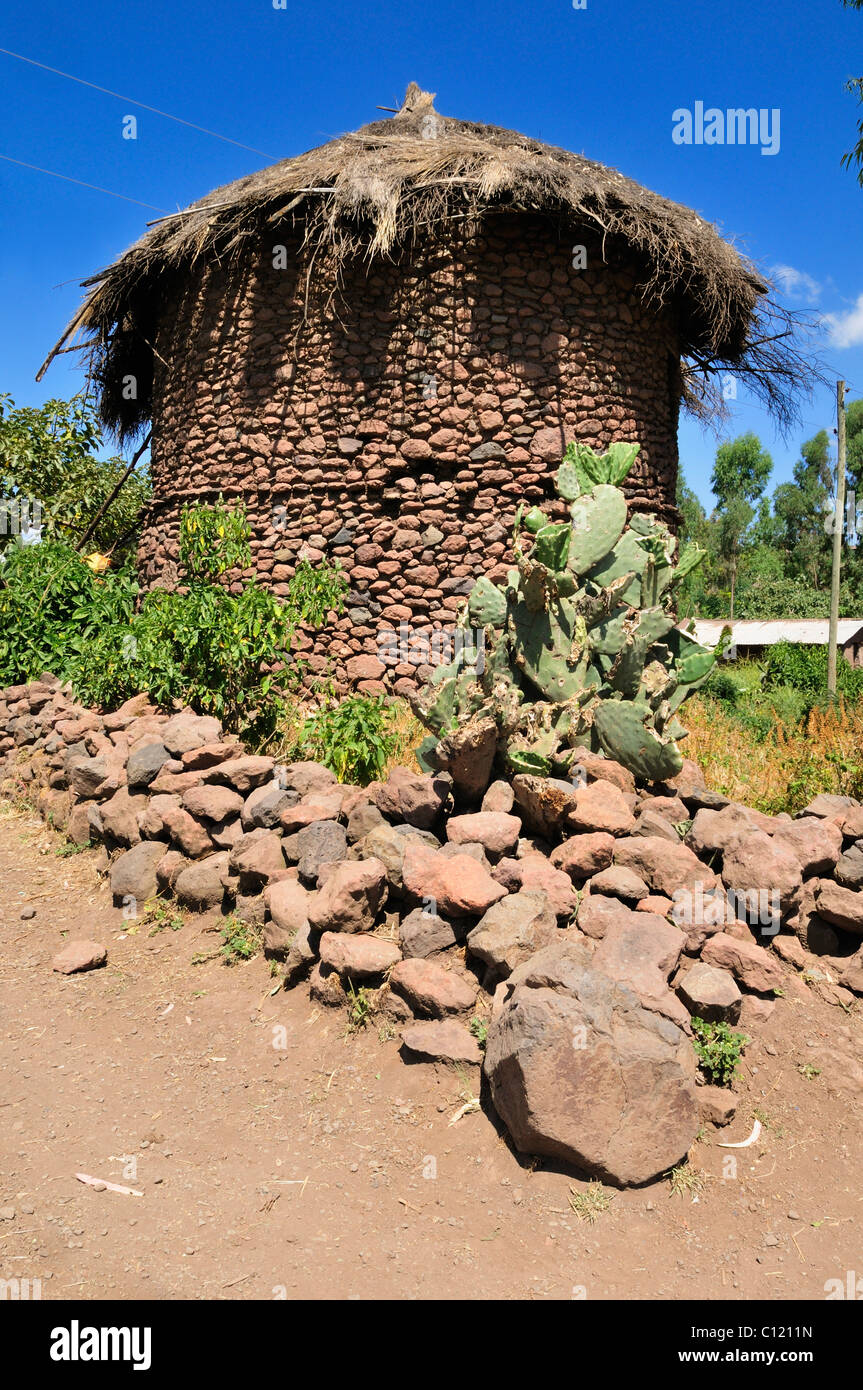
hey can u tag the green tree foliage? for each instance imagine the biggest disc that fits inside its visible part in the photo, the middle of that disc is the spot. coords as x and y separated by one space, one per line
775 552
49 455
54 611
855 85
739 479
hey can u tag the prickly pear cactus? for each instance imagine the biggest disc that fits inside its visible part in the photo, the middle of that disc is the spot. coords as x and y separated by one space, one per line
579 647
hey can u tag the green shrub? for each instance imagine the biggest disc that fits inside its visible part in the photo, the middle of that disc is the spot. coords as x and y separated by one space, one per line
54 610
718 1048
205 647
805 669
721 686
354 738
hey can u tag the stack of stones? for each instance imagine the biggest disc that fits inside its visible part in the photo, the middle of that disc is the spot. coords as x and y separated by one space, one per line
580 927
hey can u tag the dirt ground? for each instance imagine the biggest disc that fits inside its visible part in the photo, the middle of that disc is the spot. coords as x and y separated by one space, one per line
281 1157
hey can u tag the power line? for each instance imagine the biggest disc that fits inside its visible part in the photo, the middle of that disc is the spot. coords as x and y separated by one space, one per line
107 92
81 183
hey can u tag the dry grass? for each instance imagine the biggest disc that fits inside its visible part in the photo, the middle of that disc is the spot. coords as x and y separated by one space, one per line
782 772
409 734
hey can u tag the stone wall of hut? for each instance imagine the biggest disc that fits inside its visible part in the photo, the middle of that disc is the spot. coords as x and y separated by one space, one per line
395 424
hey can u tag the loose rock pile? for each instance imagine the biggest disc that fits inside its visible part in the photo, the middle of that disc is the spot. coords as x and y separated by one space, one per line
582 925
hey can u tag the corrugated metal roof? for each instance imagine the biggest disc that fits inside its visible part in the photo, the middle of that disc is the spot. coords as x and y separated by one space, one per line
746 633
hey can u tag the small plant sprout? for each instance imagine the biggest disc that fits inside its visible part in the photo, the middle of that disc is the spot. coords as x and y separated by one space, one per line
687 1181
239 942
590 1203
360 1007
718 1048
479 1028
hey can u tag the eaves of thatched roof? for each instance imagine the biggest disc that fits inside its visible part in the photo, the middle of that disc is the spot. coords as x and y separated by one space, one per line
367 193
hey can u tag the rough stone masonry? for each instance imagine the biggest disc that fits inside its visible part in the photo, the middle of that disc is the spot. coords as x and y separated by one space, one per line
395 426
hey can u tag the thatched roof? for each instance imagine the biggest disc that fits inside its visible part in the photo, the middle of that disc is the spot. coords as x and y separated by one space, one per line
369 193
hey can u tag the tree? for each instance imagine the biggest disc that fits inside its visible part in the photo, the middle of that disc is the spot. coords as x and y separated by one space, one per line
801 508
739 479
855 84
49 455
695 593
854 448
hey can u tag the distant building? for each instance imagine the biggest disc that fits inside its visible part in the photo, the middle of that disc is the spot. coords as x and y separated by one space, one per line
751 638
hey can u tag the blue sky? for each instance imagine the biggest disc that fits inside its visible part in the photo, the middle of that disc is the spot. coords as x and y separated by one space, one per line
603 80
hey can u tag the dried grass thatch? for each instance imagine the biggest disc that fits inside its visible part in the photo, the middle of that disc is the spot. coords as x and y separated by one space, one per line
370 193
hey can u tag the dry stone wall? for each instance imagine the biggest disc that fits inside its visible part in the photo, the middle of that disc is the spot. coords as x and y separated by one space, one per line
396 425
568 925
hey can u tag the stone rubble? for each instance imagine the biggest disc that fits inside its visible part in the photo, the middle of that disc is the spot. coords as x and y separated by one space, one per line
579 927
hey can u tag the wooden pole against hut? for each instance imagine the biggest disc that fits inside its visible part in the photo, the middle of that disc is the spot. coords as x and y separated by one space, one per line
838 527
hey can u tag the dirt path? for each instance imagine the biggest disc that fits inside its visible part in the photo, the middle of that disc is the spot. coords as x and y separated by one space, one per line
324 1167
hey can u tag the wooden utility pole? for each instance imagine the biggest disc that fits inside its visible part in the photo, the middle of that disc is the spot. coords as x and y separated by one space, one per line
838 529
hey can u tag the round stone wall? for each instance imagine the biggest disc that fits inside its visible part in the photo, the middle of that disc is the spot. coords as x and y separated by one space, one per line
394 424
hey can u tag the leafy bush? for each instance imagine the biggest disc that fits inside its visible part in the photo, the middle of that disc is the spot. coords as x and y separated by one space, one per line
805 669
354 739
54 611
718 1048
721 686
206 647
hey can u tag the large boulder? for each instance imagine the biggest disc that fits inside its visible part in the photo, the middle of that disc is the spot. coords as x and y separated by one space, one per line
712 831
602 806
412 797
580 1071
212 803
816 844
360 956
431 989
322 842
458 886
582 856
710 993
306 777
762 875
849 869
145 763
755 968
496 831
263 807
545 802
389 844
442 1040
422 933
843 907
641 951
186 832
351 898
665 868
535 871
133 874
512 930
202 885
187 730
119 815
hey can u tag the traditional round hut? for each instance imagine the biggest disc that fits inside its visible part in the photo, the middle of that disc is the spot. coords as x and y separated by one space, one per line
384 345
